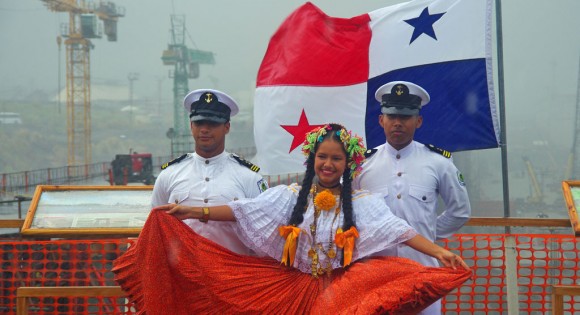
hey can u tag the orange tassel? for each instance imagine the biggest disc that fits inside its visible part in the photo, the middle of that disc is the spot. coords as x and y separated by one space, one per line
291 234
346 241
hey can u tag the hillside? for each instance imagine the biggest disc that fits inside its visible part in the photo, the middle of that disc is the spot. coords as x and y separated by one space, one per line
41 140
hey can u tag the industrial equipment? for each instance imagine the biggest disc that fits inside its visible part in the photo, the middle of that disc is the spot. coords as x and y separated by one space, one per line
185 64
131 168
82 27
537 196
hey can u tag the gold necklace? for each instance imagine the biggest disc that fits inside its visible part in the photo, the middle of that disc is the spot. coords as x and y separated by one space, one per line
317 267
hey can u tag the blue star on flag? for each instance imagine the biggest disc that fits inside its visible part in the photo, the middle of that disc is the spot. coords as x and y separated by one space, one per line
423 24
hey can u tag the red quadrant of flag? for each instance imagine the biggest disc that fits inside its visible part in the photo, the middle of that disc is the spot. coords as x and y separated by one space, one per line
340 56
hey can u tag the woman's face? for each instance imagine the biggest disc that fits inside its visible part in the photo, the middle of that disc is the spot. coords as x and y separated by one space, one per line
329 162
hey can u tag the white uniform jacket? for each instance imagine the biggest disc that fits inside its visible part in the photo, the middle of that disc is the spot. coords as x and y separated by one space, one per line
410 180
197 181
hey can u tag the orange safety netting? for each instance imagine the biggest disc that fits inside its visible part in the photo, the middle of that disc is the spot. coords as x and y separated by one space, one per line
543 260
60 263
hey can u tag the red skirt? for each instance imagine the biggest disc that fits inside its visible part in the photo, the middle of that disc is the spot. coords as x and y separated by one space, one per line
172 270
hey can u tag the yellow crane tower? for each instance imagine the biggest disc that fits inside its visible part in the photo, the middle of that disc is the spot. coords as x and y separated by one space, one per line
82 27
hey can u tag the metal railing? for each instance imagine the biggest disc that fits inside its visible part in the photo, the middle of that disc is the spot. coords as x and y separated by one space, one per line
24 183
17 199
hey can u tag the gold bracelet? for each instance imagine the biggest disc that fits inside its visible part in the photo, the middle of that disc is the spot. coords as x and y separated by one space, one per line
205 216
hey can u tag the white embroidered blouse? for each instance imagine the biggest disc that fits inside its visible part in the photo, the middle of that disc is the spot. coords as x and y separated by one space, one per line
259 219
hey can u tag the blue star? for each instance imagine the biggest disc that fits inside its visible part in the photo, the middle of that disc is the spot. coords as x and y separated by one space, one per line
424 24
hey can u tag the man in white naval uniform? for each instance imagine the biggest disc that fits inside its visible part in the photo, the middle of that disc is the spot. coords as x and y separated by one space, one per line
209 176
411 175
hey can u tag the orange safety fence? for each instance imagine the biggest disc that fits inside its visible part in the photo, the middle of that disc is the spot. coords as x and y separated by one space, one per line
60 263
545 261
542 261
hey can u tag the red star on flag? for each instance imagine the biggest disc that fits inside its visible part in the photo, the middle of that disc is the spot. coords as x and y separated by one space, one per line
299 131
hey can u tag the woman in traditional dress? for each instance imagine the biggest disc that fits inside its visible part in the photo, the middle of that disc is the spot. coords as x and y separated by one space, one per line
315 239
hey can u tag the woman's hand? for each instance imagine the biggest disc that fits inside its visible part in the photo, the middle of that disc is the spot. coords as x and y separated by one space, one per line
449 259
180 211
425 246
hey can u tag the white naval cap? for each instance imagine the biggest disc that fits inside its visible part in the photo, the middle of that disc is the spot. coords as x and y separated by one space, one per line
209 104
401 98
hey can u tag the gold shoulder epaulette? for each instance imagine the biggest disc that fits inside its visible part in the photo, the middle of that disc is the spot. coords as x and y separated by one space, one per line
445 153
176 160
246 163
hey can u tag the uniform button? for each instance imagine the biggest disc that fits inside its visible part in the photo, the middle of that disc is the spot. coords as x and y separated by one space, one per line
398 156
399 174
207 179
206 161
424 198
399 196
205 200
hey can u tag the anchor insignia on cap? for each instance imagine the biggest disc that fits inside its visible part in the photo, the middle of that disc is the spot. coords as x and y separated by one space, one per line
399 90
208 98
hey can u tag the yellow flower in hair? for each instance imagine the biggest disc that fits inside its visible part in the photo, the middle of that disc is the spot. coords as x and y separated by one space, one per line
325 200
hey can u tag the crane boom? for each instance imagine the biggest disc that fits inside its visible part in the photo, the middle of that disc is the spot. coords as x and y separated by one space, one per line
537 194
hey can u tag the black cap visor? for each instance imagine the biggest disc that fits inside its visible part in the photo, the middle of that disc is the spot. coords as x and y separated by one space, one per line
209 115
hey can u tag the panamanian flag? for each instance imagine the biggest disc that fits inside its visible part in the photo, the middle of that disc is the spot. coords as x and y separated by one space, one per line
320 69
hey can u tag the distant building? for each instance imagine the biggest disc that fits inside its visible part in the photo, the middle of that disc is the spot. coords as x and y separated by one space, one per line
112 94
9 118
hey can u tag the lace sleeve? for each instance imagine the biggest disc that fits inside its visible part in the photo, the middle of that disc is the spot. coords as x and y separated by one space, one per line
258 219
379 228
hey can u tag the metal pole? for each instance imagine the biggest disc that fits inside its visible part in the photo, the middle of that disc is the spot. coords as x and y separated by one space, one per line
574 161
59 41
502 118
19 208
132 77
511 275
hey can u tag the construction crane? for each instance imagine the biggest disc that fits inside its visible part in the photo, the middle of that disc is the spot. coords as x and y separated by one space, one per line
82 27
185 64
537 196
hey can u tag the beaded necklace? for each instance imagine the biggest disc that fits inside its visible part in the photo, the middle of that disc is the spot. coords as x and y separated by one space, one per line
318 267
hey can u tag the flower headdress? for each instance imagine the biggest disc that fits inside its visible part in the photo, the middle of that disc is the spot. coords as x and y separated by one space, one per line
353 145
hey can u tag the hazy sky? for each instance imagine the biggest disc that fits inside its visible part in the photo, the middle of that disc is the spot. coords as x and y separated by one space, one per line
541 44
541 54
236 31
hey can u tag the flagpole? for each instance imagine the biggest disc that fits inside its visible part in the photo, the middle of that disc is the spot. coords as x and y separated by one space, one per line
502 118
